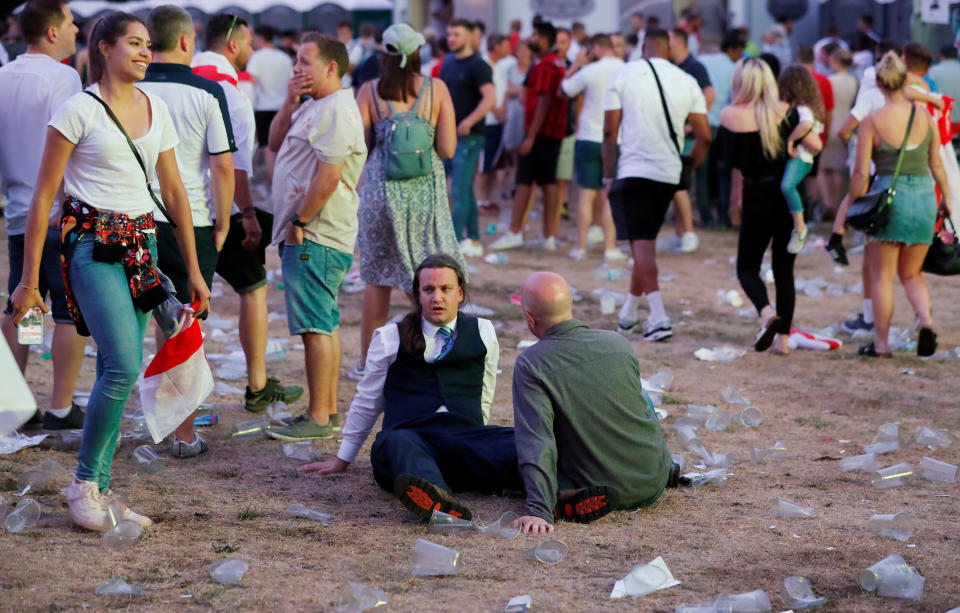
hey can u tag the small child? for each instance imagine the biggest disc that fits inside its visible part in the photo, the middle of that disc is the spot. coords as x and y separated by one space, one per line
798 88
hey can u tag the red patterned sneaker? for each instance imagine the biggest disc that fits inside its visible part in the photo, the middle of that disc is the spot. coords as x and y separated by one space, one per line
423 498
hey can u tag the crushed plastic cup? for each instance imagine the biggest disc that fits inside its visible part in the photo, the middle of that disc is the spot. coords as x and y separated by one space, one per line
496 258
149 461
38 477
252 428
444 523
278 411
897 526
548 552
519 604
661 381
26 515
866 463
731 297
228 571
886 440
357 598
643 579
798 593
603 273
892 577
716 477
678 460
608 303
298 510
701 412
732 395
718 460
935 470
756 601
301 450
119 587
717 422
224 389
775 454
724 353
784 508
431 559
124 534
140 431
931 438
892 476
506 526
116 506
686 607
750 417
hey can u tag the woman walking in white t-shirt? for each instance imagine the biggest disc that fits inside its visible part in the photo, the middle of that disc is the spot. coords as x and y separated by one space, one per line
108 242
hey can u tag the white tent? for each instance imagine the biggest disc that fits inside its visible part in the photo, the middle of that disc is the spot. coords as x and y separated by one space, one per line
89 8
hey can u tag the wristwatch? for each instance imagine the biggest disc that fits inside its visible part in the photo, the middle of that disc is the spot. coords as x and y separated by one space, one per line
295 220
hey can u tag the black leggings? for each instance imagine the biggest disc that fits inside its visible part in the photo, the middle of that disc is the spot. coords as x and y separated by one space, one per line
765 218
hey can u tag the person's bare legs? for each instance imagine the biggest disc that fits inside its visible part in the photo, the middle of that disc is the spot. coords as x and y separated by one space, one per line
376 307
915 283
333 375
323 366
20 352
522 203
253 330
584 215
883 270
643 277
683 209
67 354
551 210
606 222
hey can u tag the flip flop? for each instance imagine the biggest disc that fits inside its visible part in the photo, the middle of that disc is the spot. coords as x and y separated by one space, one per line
869 351
765 337
926 342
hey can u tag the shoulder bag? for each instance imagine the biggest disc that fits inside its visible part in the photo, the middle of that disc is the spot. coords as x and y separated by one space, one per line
687 170
943 258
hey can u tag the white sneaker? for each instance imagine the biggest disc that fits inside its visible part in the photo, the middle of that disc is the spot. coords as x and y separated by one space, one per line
356 373
86 505
594 235
550 244
657 330
670 243
509 240
689 242
797 239
614 255
577 254
180 449
471 249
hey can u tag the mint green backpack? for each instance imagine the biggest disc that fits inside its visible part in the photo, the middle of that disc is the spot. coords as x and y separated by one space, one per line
409 139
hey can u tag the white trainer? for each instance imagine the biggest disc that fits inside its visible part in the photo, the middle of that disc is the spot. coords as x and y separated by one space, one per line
356 373
797 239
689 242
670 243
471 249
509 240
577 254
550 244
614 255
655 331
86 505
594 235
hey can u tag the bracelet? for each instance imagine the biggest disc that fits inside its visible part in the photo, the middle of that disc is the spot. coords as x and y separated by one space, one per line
249 212
25 287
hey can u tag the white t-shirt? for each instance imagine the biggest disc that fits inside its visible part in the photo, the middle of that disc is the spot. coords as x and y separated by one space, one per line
806 115
328 130
500 71
272 69
869 97
32 88
198 108
102 171
593 80
646 150
242 120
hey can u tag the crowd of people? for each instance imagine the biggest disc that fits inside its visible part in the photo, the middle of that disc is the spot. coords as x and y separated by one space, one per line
140 187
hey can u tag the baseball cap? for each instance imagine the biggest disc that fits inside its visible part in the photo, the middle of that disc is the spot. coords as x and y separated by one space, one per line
401 39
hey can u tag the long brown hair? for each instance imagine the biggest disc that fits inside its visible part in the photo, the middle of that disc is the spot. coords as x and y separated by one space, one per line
797 87
410 328
397 83
108 29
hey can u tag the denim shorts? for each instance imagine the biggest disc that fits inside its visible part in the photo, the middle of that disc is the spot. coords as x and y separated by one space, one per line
51 278
312 277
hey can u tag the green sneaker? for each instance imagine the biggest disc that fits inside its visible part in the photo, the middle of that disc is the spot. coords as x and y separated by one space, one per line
257 402
334 421
301 428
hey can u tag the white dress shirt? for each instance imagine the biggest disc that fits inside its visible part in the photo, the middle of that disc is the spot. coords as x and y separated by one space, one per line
369 400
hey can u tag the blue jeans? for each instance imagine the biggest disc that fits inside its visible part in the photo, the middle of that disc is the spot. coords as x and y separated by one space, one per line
118 327
465 160
794 173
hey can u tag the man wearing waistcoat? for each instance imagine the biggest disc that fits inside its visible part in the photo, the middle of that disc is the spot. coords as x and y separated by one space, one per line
433 375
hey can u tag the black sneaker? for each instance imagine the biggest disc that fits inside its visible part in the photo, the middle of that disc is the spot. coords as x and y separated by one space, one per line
583 505
854 326
836 250
73 420
257 402
35 422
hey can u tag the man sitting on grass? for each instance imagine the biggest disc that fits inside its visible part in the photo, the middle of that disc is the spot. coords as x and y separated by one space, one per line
588 440
433 375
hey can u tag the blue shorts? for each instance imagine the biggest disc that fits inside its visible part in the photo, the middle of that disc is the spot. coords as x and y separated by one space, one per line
588 164
312 277
493 134
51 279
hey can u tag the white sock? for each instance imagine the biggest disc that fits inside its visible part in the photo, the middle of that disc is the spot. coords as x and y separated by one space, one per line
60 413
628 312
867 310
655 302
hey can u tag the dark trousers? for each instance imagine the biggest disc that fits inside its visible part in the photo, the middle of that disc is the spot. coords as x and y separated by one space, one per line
453 457
765 219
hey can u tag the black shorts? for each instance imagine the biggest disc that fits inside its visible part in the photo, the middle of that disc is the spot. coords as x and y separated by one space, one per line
244 269
639 207
263 119
170 260
540 165
492 159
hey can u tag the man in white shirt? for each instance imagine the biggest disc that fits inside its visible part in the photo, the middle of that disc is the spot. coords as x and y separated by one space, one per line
500 61
241 261
638 24
198 108
648 170
592 80
433 377
271 69
32 87
321 152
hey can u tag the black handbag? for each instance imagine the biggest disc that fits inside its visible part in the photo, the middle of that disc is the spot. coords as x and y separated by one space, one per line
686 172
943 258
870 213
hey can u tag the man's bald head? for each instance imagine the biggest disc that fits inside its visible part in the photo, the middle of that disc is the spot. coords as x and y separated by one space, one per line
546 301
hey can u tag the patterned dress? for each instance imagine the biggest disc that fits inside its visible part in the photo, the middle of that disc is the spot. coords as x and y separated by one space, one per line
402 222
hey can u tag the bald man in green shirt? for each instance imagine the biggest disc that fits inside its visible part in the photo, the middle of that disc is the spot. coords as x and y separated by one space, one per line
588 440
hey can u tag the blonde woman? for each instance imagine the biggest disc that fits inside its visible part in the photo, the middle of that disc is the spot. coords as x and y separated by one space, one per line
900 248
752 140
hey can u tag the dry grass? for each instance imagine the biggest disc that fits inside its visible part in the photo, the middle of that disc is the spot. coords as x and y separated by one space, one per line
232 501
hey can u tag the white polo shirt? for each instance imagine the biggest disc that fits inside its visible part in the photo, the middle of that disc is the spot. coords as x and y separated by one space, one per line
216 67
592 80
646 150
102 170
198 108
32 88
272 70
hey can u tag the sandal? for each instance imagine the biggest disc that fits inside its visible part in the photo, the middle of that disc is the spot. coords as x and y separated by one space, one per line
869 351
765 337
926 342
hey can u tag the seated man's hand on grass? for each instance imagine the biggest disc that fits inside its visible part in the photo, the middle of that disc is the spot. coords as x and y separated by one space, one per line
530 524
327 467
